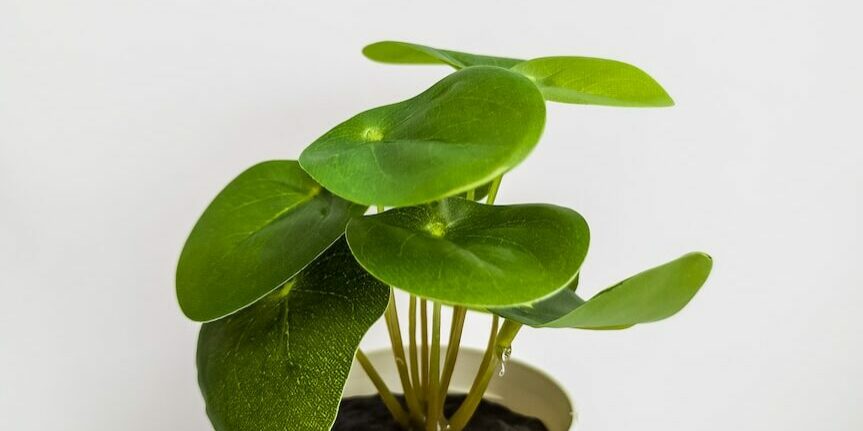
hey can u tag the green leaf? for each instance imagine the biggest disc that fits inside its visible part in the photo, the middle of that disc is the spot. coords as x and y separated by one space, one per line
652 295
545 310
594 81
461 133
567 79
410 53
465 253
263 228
282 363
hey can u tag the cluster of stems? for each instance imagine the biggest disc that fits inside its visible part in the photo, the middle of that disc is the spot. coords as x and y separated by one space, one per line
424 380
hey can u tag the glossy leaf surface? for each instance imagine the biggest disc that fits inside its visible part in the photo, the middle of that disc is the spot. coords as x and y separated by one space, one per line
594 81
461 133
411 53
466 253
281 364
649 296
264 227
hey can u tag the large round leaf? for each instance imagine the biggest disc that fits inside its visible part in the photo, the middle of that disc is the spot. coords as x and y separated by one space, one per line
281 364
594 81
649 296
263 228
465 253
411 53
461 133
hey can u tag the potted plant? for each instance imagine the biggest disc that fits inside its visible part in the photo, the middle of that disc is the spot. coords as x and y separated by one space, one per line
288 271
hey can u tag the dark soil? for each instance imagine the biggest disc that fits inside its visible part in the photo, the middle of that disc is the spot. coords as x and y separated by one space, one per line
369 414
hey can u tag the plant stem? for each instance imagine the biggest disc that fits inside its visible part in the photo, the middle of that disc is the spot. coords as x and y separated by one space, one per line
499 342
483 366
458 317
471 195
392 318
412 350
390 401
434 407
492 191
424 325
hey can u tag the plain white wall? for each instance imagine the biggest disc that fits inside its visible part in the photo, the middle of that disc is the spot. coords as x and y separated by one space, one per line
120 120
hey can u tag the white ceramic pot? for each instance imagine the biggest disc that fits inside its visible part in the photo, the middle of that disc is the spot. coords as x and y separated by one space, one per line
522 388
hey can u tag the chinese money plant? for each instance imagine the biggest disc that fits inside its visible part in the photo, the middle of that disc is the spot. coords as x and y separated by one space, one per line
293 261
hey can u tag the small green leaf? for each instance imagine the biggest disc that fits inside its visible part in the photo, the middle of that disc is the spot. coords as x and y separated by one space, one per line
410 53
263 228
461 133
465 253
594 81
282 363
652 295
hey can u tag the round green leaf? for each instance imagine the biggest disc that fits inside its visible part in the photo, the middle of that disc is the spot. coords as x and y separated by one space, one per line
465 253
652 295
461 133
411 53
594 81
263 228
282 363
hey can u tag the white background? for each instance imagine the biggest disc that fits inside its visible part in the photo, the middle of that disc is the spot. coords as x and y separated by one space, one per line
120 120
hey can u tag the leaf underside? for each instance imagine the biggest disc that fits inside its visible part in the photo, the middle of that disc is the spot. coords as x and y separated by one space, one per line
282 363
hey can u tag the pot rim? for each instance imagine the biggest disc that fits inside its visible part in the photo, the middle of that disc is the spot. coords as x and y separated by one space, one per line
386 352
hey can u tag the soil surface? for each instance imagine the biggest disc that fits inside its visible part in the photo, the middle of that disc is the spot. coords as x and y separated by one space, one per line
368 413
